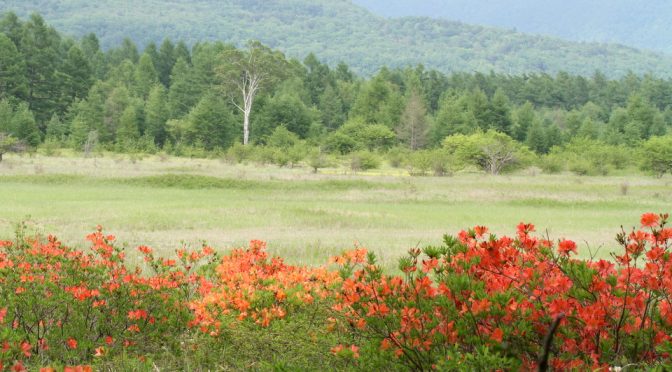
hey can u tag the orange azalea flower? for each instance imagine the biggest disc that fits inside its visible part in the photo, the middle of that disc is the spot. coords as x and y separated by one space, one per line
497 335
650 220
72 343
26 348
566 246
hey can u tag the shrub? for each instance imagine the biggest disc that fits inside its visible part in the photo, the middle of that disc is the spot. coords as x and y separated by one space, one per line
476 302
317 159
238 153
492 151
364 160
65 306
657 155
419 163
479 297
398 156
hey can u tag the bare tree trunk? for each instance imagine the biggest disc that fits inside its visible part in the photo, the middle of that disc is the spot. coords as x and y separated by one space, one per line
246 127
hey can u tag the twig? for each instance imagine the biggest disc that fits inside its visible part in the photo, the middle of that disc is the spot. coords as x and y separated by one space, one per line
548 341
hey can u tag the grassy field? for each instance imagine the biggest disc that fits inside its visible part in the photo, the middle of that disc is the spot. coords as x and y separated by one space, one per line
308 217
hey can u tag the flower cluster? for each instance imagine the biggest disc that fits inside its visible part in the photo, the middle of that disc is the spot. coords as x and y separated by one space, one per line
479 292
71 306
249 285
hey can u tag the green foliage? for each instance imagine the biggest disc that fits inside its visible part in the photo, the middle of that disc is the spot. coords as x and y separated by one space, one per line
657 155
585 156
340 31
364 160
211 124
491 151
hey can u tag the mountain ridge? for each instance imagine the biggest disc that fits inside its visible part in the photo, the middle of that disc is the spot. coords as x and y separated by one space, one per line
339 30
642 25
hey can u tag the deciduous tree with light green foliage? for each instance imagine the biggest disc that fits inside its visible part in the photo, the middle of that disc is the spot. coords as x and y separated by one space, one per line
657 155
245 73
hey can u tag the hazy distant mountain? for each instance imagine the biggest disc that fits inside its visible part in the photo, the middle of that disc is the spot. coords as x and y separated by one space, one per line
639 23
338 30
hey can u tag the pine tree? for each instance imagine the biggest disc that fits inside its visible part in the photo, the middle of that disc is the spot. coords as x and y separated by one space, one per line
500 113
183 93
166 61
11 26
39 45
25 126
211 124
412 129
536 138
75 77
182 51
128 131
56 129
13 83
6 115
156 115
331 108
90 46
524 118
115 106
145 76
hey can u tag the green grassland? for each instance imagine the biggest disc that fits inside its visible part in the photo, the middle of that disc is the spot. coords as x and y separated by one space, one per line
305 217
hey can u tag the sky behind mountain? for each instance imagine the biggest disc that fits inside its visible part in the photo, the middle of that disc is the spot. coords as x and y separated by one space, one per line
637 23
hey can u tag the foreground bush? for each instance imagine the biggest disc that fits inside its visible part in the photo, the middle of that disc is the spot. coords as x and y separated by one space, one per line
479 297
477 302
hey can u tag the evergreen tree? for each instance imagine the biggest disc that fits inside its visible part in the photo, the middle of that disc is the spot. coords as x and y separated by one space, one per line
79 130
127 51
56 129
182 51
453 117
412 129
478 104
74 77
283 110
13 83
536 138
500 113
317 78
25 127
39 45
90 46
153 52
211 124
331 108
589 129
128 131
88 115
166 61
145 76
156 115
6 115
11 26
115 106
183 93
524 117
379 102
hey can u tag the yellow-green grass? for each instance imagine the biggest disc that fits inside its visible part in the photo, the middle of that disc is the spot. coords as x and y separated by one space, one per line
308 217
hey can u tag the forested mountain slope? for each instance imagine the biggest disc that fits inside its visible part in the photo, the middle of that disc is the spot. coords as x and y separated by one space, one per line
638 23
338 30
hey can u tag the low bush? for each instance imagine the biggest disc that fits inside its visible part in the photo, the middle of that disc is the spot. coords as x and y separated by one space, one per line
476 302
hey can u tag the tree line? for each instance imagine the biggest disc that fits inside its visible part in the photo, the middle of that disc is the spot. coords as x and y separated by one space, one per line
210 96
